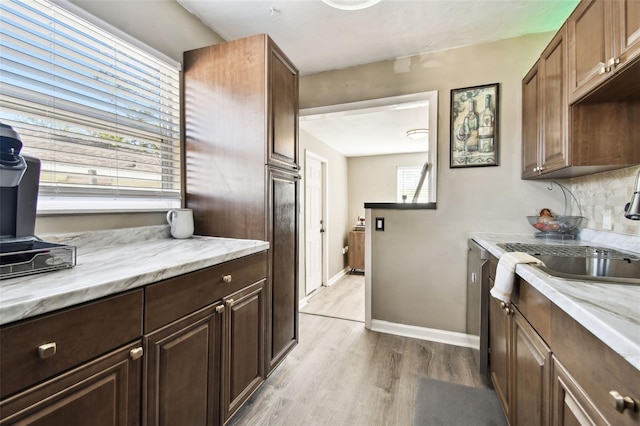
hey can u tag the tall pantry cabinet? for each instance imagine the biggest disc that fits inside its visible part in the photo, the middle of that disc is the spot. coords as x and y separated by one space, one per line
241 164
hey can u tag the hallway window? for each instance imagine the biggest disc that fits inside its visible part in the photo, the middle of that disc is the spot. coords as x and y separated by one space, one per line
408 182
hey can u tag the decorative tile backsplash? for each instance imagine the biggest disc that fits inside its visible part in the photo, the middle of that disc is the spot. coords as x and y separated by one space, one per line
607 191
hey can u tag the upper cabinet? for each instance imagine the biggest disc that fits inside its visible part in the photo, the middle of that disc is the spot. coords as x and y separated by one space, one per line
283 117
546 111
604 38
581 100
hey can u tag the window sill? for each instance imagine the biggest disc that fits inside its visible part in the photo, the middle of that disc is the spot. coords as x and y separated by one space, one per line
54 206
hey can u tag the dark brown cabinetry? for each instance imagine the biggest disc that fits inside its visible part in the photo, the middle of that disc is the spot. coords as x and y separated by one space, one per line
356 250
243 332
183 371
581 96
53 376
556 371
604 38
499 336
241 163
205 343
546 111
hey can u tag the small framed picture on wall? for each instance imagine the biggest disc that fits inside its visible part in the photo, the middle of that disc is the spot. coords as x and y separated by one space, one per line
474 126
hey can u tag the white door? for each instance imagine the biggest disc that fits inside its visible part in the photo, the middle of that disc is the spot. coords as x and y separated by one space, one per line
314 222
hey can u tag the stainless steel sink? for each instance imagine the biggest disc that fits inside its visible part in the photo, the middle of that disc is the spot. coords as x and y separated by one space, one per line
585 263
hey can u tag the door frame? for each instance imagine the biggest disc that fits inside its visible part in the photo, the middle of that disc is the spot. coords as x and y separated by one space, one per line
325 219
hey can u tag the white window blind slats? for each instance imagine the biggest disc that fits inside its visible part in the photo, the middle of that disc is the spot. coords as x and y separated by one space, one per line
408 179
102 115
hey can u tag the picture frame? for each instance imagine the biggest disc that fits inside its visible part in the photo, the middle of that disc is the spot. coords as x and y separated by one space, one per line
474 127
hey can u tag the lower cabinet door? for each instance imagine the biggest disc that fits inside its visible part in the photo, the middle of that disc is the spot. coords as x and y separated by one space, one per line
243 330
499 334
531 375
182 371
570 404
102 392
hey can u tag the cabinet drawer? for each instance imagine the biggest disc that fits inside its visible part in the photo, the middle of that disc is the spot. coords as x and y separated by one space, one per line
174 298
79 334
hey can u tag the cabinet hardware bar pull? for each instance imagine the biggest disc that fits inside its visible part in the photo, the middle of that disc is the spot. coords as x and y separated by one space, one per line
230 302
47 350
220 309
136 353
226 278
623 402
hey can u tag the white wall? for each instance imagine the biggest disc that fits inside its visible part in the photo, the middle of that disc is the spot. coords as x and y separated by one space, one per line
374 179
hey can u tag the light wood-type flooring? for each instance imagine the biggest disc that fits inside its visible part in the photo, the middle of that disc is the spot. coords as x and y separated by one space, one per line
344 299
342 374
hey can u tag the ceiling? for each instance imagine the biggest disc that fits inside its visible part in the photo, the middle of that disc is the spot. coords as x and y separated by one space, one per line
317 37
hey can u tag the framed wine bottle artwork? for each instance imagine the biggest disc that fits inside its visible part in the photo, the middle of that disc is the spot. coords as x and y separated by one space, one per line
474 126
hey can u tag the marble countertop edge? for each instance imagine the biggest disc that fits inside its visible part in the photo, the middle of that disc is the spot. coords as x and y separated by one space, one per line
102 271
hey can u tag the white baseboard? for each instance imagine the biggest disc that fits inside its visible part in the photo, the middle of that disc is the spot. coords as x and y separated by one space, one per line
424 333
337 276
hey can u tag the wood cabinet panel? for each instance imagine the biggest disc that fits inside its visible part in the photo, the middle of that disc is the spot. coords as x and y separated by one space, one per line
570 405
103 392
224 89
597 373
283 92
356 249
80 334
626 16
243 334
530 123
182 368
555 150
531 375
283 277
590 48
533 306
500 355
241 142
174 298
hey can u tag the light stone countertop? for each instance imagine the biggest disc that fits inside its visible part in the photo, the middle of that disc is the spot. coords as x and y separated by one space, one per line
611 312
109 262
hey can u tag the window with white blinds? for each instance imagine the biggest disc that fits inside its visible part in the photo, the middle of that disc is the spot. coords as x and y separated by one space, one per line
102 115
408 179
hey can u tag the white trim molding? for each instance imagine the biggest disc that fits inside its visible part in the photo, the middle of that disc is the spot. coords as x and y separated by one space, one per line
424 333
337 276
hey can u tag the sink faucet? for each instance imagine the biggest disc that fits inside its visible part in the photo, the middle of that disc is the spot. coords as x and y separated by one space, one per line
632 208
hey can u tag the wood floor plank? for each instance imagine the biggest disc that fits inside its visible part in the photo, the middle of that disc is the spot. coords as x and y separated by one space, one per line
344 299
342 374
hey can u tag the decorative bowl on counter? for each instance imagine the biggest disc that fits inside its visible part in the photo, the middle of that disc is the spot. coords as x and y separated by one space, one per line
556 224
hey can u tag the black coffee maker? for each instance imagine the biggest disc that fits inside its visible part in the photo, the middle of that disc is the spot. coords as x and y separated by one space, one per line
21 252
19 180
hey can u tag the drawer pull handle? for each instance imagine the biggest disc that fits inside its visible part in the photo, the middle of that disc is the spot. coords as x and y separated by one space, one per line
226 278
230 302
623 402
220 309
47 350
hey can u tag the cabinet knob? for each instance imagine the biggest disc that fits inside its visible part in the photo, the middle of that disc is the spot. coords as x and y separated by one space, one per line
623 402
602 70
136 353
535 169
541 168
612 62
220 309
226 278
47 350
230 302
